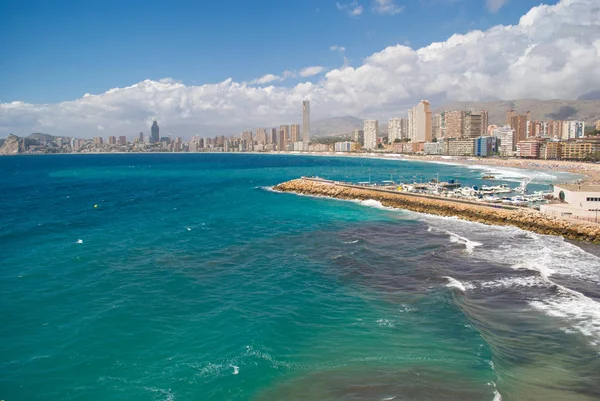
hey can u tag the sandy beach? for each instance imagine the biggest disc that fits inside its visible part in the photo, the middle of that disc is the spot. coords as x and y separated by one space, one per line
591 171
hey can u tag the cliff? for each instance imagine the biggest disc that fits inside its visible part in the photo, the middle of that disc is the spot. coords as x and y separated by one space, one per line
526 219
13 145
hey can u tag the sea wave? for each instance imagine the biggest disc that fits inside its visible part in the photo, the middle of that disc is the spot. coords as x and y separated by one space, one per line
454 283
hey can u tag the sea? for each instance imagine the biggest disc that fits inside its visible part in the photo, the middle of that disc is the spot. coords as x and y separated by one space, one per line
186 277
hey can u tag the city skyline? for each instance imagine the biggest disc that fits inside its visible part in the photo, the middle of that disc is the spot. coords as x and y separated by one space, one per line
381 82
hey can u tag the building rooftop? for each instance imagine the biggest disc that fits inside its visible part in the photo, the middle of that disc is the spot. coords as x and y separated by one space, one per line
579 188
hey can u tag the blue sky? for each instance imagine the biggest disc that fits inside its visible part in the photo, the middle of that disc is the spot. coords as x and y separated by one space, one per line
56 51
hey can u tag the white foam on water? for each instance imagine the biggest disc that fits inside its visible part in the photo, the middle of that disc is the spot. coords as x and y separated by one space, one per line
386 323
189 229
581 312
454 283
236 370
79 241
376 204
351 242
459 239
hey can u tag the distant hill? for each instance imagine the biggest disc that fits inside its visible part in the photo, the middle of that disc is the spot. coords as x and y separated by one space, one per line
335 126
38 136
586 110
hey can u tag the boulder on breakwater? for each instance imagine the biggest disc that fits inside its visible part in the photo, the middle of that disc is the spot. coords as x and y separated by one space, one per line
526 219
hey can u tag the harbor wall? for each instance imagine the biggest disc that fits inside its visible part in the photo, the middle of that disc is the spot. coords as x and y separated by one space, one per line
524 218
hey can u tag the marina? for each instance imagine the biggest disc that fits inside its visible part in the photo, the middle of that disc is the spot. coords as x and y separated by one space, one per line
453 189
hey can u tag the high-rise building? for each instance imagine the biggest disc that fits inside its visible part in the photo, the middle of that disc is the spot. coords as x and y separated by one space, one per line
371 129
573 129
272 137
282 140
436 126
506 136
472 126
247 136
141 138
122 140
485 120
261 136
154 131
286 132
358 135
519 126
295 133
420 122
397 129
509 115
112 140
453 122
306 121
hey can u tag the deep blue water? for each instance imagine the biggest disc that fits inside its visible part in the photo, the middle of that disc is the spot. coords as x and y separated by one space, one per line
191 280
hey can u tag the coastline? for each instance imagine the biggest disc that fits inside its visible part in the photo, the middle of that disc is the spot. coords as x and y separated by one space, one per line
489 214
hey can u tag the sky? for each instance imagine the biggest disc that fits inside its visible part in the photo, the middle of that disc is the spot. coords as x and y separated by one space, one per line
89 68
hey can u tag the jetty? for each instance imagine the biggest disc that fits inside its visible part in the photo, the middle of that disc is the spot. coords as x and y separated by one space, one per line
491 214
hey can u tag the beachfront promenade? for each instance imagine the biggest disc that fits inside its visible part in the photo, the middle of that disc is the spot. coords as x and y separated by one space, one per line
492 214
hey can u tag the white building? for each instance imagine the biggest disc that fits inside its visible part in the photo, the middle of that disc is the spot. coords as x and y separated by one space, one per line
573 129
306 121
343 146
505 134
433 148
371 130
577 201
397 129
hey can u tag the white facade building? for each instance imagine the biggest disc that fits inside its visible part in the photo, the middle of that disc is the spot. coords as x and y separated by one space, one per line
343 146
397 129
306 121
577 201
505 134
371 130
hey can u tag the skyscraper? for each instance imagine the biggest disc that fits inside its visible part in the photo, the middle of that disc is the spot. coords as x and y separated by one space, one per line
397 129
420 122
261 136
371 129
306 121
154 130
295 133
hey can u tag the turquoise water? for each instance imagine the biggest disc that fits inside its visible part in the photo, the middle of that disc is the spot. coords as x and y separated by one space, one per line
192 280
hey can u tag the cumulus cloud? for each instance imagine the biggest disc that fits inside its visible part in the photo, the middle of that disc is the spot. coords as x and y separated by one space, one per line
310 71
336 48
389 7
553 52
354 9
495 5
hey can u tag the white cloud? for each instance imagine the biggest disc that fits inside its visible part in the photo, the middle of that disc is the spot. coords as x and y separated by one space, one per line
310 71
389 7
553 52
336 48
495 5
265 79
354 8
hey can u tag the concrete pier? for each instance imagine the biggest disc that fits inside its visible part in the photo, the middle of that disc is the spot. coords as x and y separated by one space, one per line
492 214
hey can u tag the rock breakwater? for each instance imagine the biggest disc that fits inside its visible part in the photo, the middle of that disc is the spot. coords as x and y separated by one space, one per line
526 219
